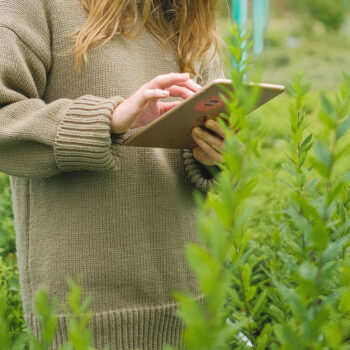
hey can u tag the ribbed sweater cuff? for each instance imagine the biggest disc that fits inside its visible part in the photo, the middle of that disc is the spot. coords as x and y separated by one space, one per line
83 140
196 172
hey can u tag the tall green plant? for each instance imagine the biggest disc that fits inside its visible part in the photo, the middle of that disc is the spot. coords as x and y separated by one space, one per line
315 232
286 286
223 218
79 334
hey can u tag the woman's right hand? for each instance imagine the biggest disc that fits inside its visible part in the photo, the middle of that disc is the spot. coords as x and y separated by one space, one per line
144 106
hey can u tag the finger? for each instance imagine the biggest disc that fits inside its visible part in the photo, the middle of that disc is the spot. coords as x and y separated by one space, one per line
179 91
164 81
202 157
166 106
215 126
211 153
148 95
208 138
191 85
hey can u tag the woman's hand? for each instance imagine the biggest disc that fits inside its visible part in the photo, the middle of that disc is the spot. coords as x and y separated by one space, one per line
143 106
205 153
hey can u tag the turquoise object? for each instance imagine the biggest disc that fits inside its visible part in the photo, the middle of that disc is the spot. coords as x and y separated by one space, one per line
261 14
240 12
240 16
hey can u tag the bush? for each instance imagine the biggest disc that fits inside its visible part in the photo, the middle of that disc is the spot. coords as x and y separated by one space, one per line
275 277
79 336
11 302
7 233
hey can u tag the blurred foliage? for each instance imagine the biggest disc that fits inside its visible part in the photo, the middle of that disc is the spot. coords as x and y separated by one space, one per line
79 335
275 277
332 14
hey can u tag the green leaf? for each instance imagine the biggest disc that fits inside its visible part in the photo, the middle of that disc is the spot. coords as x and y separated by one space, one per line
345 302
46 312
276 312
259 304
327 113
333 333
305 146
276 237
342 151
334 192
333 250
323 154
264 339
343 128
327 120
250 293
287 336
320 235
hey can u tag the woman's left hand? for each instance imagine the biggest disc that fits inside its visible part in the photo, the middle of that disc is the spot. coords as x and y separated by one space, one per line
205 153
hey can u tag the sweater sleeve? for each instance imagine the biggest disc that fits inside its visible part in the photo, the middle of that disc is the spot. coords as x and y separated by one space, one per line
199 174
39 139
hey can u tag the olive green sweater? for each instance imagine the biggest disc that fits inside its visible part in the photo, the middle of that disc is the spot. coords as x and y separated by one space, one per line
114 218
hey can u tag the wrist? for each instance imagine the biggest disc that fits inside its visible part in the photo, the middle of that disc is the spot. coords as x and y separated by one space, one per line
118 126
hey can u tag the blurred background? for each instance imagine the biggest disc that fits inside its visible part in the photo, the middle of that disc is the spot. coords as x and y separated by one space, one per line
308 35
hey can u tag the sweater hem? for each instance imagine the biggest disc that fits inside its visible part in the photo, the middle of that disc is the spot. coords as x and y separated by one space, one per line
143 328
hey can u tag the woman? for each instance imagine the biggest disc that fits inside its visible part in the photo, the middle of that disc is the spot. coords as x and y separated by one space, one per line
114 218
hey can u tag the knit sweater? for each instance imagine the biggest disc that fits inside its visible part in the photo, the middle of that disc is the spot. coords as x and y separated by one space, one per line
114 218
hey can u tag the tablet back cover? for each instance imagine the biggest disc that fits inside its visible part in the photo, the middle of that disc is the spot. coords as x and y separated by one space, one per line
173 129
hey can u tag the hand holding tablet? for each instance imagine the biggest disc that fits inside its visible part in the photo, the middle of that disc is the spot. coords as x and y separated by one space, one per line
144 106
173 129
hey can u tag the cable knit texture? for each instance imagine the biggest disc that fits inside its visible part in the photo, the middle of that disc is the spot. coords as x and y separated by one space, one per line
114 218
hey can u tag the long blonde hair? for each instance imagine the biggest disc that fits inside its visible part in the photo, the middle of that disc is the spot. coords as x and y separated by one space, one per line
188 26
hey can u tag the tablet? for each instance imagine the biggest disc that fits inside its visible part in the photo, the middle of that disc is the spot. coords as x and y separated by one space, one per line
173 129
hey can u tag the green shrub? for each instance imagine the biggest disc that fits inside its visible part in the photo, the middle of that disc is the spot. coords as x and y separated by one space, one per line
9 276
79 336
275 277
11 303
7 233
